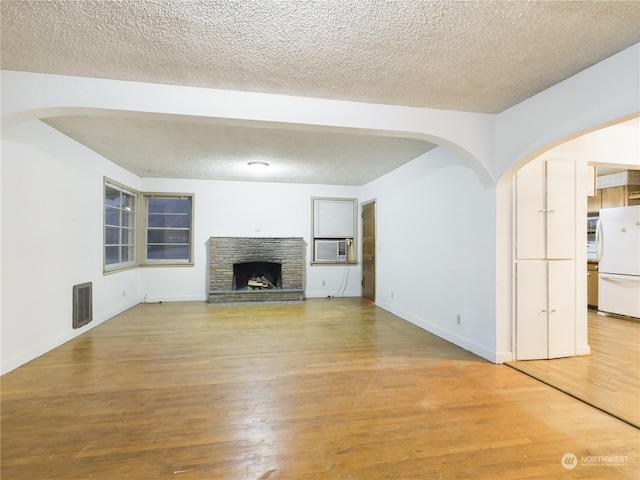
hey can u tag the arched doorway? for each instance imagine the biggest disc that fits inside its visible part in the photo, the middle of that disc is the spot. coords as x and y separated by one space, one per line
593 148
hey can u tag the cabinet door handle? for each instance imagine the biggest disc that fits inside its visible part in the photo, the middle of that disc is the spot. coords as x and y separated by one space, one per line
541 211
551 211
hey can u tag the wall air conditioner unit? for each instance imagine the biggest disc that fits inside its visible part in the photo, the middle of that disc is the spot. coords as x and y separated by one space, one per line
330 251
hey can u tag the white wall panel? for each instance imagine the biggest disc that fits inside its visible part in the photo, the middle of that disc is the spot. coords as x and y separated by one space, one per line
435 254
52 239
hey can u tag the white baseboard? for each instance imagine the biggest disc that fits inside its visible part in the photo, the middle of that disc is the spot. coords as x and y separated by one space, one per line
502 357
326 294
583 350
174 298
461 342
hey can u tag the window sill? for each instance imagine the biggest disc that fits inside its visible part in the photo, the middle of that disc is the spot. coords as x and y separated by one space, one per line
167 264
110 270
333 264
146 265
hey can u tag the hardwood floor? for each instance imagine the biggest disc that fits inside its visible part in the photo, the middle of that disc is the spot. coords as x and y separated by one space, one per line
325 389
609 378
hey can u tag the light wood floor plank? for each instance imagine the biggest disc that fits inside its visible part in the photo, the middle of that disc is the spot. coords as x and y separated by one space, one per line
609 378
329 389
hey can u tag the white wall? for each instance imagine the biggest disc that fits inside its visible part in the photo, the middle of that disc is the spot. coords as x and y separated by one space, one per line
435 248
595 97
247 209
617 146
52 239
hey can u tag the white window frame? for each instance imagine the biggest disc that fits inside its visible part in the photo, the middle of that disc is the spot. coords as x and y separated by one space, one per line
334 219
139 230
145 244
131 228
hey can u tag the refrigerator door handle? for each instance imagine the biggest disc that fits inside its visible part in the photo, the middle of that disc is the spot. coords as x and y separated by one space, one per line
629 279
599 240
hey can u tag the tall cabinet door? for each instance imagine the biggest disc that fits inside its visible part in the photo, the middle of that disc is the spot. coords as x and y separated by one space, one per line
545 210
530 208
560 208
562 308
545 310
532 332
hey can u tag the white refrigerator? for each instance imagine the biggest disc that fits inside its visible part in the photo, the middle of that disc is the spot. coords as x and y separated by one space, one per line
618 246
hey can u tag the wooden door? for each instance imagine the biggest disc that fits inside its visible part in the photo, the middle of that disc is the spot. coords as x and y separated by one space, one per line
369 251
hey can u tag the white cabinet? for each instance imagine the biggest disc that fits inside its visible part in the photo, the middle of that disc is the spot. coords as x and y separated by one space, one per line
545 260
561 208
545 309
532 328
530 211
561 308
545 210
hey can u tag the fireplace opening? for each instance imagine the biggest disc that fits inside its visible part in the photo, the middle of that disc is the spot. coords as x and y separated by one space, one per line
257 275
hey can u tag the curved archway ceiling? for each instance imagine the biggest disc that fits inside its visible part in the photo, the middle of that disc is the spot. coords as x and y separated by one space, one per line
471 56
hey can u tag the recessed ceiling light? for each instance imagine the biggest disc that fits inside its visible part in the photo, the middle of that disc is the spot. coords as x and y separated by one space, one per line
258 164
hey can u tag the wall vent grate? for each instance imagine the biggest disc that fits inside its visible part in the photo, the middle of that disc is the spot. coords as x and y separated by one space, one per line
82 304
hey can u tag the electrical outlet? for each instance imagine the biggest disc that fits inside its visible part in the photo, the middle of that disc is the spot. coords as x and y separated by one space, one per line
124 293
392 295
459 319
324 283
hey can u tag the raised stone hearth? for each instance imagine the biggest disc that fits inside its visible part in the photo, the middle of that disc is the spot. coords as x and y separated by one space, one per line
225 252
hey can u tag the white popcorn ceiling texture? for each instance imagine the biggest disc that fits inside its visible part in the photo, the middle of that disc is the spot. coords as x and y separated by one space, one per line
479 56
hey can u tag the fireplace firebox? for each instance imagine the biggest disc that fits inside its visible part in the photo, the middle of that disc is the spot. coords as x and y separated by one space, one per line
257 275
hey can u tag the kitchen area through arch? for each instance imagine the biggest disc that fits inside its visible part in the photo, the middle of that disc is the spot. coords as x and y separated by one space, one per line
613 244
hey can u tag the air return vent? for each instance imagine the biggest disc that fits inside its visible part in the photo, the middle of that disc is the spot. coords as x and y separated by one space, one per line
82 304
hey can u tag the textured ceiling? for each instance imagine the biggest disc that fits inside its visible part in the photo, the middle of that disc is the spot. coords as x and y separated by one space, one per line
222 152
480 56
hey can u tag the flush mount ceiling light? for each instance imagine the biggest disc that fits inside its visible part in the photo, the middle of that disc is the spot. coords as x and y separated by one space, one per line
258 164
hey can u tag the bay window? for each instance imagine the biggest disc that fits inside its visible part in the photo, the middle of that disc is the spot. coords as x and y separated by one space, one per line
165 221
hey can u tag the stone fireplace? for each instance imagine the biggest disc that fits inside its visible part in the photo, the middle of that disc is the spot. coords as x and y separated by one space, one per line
238 264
